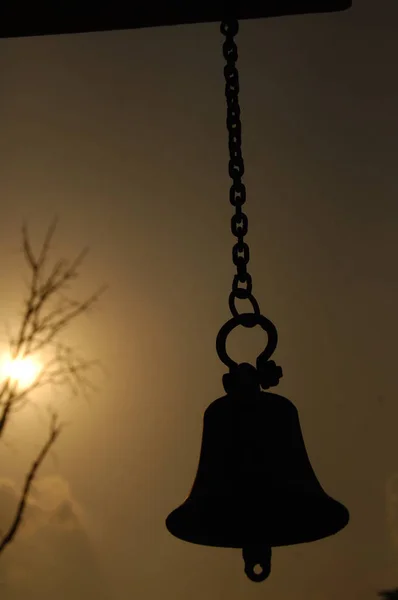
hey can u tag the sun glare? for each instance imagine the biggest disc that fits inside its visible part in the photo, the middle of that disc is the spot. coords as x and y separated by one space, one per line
22 371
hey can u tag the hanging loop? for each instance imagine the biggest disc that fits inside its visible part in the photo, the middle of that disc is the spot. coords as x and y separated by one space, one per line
243 294
247 320
257 555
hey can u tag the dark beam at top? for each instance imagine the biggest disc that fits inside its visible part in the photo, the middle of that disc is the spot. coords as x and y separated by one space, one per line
32 18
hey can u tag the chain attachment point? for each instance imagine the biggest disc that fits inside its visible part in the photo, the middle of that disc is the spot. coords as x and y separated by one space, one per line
229 27
243 294
243 378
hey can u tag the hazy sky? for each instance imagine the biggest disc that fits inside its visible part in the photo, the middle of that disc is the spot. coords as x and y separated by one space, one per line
122 135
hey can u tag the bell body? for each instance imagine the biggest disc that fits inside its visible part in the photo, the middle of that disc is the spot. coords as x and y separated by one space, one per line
254 483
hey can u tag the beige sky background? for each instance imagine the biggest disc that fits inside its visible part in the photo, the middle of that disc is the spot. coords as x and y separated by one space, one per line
122 135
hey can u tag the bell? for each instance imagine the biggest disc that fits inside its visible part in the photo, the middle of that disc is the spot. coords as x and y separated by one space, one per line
255 487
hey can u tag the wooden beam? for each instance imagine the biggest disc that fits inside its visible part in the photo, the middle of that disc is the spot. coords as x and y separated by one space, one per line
32 18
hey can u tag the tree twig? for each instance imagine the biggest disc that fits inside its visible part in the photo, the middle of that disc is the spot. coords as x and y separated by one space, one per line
17 521
39 330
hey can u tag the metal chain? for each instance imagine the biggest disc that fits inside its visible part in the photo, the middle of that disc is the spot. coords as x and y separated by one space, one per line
266 373
237 195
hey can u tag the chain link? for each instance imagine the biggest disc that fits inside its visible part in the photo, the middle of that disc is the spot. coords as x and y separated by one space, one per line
236 167
266 373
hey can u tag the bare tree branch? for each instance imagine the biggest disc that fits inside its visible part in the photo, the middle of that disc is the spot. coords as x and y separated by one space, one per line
46 243
28 250
17 521
47 313
52 326
5 411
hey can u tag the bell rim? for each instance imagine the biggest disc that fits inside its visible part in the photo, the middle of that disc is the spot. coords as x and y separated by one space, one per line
188 511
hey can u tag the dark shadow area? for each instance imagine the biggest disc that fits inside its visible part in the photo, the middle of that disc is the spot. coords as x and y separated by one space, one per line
55 20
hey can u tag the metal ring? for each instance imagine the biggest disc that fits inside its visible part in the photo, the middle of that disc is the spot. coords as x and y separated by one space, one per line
242 294
247 320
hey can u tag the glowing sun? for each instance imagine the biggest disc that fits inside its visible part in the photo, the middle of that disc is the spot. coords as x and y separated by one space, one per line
22 371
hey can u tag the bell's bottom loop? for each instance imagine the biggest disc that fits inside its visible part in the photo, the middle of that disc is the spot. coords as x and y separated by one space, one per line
257 556
247 320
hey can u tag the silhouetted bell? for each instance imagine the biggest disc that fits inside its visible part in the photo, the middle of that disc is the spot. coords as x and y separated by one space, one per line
255 487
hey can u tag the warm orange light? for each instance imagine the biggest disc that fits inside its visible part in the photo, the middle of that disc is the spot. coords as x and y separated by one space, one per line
22 371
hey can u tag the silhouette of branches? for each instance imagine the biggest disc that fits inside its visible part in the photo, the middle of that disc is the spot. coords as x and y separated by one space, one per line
8 537
47 313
